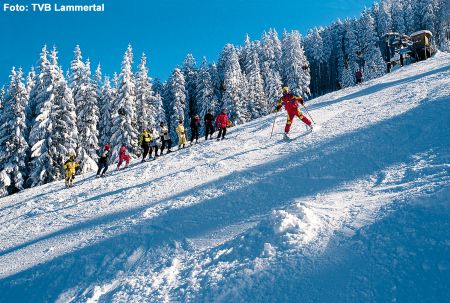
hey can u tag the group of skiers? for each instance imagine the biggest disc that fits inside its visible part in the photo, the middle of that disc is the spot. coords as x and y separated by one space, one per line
154 143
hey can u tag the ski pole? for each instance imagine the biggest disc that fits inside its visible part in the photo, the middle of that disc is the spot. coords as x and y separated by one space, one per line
273 125
309 114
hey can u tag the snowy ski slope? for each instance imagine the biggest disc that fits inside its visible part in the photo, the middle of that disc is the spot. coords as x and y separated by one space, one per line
357 211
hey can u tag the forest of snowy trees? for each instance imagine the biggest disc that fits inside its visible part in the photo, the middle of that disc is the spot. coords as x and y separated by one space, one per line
49 112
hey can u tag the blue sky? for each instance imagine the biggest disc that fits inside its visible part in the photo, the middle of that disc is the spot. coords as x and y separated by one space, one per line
165 30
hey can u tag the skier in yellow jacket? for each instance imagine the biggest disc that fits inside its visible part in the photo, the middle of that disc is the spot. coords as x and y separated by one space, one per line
181 135
70 167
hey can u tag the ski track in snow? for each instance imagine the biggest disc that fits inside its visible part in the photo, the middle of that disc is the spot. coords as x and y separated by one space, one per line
248 218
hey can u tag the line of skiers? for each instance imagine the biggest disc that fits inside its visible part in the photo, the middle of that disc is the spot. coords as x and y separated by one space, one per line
151 141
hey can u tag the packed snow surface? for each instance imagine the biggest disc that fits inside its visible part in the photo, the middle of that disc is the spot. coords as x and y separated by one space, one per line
356 211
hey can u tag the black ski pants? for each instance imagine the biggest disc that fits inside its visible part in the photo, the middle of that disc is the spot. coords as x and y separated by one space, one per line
165 143
194 135
222 132
102 168
146 148
209 130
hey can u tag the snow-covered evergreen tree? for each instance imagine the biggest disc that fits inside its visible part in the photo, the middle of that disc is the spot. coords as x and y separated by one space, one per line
277 49
98 78
443 25
77 71
176 96
217 85
158 86
352 62
205 97
314 52
429 17
124 124
14 150
383 18
2 96
145 113
398 17
190 72
86 101
54 131
85 97
409 16
270 69
370 53
295 65
106 100
115 83
98 82
64 122
257 102
234 84
38 93
30 81
160 113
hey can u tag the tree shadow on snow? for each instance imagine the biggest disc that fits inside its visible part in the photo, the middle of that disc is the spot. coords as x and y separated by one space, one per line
260 189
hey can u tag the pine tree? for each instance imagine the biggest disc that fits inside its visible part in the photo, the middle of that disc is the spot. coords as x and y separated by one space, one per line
398 17
217 85
339 48
166 102
257 105
234 84
54 132
409 17
374 65
64 122
328 83
38 94
295 65
30 81
98 78
190 75
86 100
98 83
124 124
277 49
160 113
270 70
14 150
314 52
77 71
2 96
158 101
351 61
443 24
383 18
107 97
145 112
429 17
176 94
205 97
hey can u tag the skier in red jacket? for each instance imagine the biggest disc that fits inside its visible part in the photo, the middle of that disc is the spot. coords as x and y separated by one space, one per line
221 123
123 156
290 103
